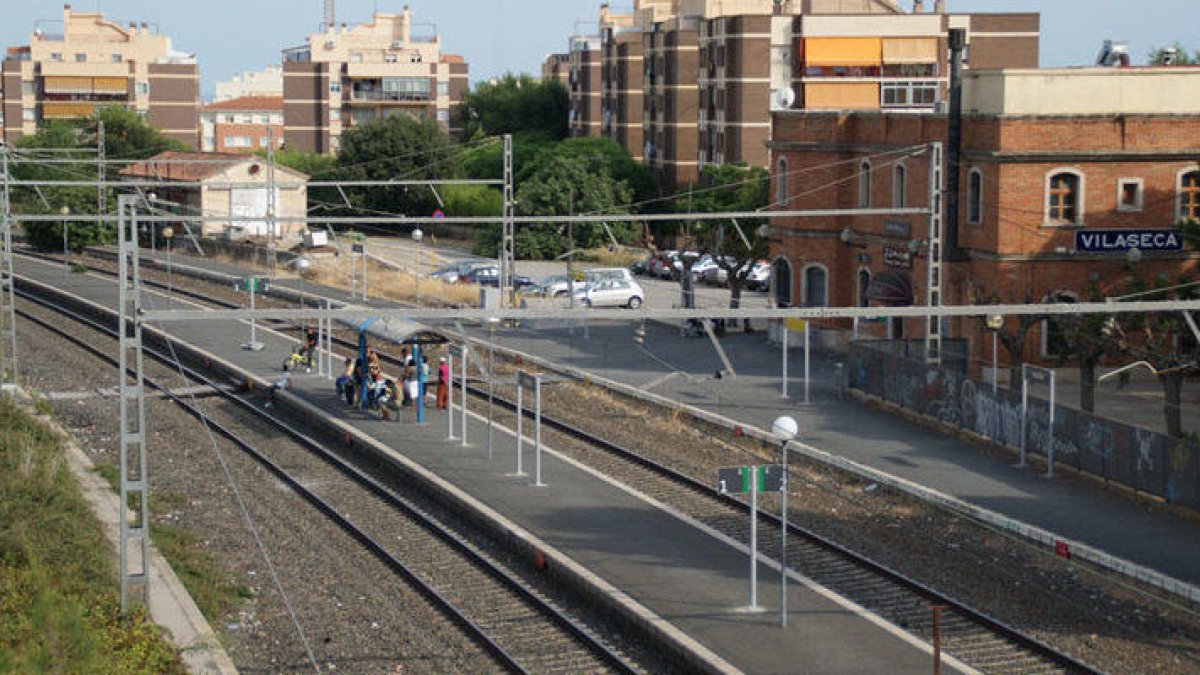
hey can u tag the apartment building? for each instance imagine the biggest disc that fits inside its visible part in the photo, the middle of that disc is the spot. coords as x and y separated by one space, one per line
242 125
1071 180
557 67
345 76
583 86
84 62
713 70
252 83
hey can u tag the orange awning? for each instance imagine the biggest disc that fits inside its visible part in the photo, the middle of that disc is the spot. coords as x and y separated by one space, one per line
67 85
67 110
841 95
111 85
843 51
903 51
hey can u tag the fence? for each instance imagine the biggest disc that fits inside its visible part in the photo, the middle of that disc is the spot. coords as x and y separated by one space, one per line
1137 458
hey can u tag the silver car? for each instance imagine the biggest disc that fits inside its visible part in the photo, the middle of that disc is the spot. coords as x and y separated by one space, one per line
611 293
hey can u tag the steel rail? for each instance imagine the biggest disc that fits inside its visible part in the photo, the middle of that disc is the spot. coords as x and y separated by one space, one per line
509 661
994 625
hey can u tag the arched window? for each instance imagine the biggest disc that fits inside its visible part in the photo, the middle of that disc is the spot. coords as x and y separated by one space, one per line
864 288
975 197
816 288
864 185
781 282
1064 198
899 186
781 183
1189 196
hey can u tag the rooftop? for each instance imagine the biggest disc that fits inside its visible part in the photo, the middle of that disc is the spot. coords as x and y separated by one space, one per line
174 165
248 104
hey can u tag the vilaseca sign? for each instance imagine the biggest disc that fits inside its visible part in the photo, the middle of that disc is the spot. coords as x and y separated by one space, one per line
1122 241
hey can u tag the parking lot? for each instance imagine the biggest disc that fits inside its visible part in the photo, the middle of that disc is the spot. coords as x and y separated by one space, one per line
659 294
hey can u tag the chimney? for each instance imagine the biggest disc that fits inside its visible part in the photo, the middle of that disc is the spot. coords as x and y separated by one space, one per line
918 6
939 7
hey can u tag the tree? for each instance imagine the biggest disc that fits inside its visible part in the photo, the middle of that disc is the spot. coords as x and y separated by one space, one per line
621 166
316 166
737 244
398 147
126 136
583 183
513 104
472 200
1164 340
1014 334
486 162
1182 56
1088 338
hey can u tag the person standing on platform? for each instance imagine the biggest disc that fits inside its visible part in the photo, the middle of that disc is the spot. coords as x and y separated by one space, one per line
443 387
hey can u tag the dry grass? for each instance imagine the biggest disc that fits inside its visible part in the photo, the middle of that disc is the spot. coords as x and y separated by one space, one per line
393 284
623 257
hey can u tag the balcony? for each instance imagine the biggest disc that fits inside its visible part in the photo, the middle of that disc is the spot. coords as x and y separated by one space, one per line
389 97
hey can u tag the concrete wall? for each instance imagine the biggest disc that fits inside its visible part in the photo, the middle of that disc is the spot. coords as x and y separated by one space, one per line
1084 91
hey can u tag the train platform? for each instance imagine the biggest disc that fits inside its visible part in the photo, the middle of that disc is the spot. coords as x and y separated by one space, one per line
694 581
682 369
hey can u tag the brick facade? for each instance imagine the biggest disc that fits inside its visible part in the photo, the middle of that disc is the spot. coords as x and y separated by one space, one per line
1013 253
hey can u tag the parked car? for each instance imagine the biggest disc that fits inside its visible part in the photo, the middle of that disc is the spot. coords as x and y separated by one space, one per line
714 274
611 293
555 286
759 278
453 272
677 263
490 276
601 273
663 267
641 267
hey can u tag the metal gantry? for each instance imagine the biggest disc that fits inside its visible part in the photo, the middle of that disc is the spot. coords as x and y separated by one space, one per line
134 473
8 315
933 292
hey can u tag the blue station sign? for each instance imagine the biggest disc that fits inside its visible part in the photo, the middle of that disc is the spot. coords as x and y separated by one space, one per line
1121 241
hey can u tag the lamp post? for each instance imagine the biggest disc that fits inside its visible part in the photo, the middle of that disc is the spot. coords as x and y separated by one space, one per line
785 429
417 236
168 234
65 211
491 323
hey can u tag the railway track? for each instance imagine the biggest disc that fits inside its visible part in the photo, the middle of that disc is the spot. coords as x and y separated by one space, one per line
970 635
520 627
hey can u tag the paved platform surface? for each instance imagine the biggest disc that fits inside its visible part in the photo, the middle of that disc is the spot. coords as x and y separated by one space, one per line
683 368
689 578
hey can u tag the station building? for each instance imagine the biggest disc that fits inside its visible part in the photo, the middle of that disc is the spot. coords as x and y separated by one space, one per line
71 68
1072 181
344 76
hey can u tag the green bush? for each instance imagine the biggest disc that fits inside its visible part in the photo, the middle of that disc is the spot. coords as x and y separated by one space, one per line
58 604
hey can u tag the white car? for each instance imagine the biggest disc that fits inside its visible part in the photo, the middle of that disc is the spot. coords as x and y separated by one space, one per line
760 276
611 293
556 286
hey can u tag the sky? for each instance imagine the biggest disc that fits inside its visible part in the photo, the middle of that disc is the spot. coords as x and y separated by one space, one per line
497 36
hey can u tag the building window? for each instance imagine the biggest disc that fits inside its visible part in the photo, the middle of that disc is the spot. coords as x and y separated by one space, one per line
81 58
1129 194
237 142
143 88
116 58
909 94
27 88
1064 198
231 119
390 58
264 141
864 288
864 185
56 56
443 115
781 282
335 87
264 119
975 197
781 183
443 89
415 57
28 115
1189 196
899 187
816 290
356 57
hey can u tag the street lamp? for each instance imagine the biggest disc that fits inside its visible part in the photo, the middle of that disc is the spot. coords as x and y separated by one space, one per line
168 233
417 236
785 429
65 211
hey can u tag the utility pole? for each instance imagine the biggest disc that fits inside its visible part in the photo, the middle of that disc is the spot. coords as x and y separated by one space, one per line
271 205
101 193
8 315
571 252
508 262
